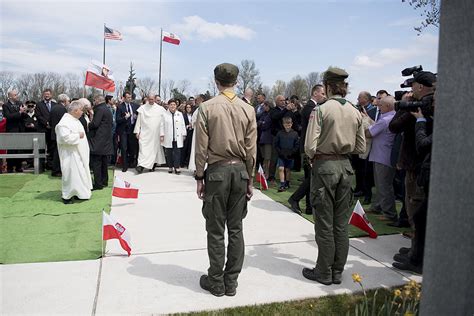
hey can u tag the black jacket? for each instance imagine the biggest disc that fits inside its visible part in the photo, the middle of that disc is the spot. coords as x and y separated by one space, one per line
125 125
305 113
423 142
277 115
42 113
55 116
15 119
100 131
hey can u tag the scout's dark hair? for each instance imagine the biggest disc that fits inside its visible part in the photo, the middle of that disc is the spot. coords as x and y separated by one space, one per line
338 87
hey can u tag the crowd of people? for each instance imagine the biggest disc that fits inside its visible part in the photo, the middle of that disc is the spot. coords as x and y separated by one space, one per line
156 133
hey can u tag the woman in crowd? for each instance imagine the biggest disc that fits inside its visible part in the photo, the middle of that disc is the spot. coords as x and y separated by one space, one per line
188 116
174 132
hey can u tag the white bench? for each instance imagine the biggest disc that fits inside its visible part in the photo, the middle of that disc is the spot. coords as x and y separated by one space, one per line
24 141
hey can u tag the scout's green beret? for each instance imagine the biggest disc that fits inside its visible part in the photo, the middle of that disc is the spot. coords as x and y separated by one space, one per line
226 73
334 74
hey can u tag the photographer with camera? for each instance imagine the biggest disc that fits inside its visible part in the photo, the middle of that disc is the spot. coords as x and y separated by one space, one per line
423 87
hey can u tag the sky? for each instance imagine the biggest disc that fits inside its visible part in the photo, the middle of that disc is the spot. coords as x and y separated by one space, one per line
372 40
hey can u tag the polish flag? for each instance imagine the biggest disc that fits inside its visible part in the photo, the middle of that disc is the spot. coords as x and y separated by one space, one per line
171 38
124 189
261 178
111 229
360 220
99 76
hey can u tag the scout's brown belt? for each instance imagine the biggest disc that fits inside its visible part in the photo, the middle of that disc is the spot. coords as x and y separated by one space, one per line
329 157
228 162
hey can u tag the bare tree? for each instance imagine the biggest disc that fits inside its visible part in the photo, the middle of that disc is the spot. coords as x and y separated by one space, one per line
212 86
297 86
166 87
73 84
183 86
430 12
24 85
7 81
312 79
146 85
278 88
248 76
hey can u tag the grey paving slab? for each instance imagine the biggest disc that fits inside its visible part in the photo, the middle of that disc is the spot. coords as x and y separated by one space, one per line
172 220
383 248
169 282
53 288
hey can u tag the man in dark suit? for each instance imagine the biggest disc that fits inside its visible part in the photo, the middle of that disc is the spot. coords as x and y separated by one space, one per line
100 142
43 110
318 96
55 116
126 116
15 113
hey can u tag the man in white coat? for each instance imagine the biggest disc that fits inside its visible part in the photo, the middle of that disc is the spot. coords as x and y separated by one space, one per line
174 132
147 129
73 150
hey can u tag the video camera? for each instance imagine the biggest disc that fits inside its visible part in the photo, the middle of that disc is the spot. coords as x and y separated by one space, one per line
425 104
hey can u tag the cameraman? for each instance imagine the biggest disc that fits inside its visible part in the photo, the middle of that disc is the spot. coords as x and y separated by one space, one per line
423 88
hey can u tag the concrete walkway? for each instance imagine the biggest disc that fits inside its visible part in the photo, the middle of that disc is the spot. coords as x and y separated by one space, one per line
169 255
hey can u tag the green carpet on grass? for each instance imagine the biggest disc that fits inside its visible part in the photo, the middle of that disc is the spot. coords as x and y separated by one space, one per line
379 225
37 227
12 183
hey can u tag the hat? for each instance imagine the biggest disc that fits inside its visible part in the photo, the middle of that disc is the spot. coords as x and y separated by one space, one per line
226 73
425 78
335 74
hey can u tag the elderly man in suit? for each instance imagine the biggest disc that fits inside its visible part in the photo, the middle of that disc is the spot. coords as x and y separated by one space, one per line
100 136
15 113
126 117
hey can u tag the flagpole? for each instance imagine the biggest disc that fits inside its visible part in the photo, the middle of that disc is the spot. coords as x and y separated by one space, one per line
103 56
161 52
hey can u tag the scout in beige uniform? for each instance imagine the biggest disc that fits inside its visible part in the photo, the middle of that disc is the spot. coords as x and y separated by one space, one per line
334 132
226 138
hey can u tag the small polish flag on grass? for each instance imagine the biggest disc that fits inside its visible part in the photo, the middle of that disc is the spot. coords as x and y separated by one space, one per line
124 189
114 230
261 178
360 220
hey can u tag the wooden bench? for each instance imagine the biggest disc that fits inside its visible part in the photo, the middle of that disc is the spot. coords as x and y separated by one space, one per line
24 141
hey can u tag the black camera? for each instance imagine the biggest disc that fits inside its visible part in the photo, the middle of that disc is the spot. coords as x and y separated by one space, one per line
407 83
411 70
425 104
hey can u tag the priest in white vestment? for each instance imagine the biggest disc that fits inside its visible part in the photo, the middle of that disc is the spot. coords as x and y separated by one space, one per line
147 129
73 150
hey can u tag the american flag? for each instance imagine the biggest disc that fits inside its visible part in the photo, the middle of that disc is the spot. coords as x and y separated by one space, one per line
112 34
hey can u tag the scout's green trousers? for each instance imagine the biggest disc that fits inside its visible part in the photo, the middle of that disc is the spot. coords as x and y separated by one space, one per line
331 198
225 203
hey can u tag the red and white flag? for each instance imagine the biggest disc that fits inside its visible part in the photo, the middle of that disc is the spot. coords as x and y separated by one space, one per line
111 229
171 38
124 189
360 220
99 76
261 178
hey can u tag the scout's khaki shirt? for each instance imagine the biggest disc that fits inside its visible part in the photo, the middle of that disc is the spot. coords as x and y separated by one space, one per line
334 128
226 129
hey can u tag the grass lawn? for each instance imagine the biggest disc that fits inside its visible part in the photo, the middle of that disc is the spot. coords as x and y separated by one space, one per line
380 226
328 305
37 227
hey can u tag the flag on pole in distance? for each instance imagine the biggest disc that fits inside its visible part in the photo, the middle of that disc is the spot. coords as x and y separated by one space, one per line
261 178
114 230
99 76
124 189
360 220
171 38
112 34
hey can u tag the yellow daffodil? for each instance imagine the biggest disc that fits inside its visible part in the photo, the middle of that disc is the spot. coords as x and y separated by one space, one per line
356 277
413 284
407 293
397 293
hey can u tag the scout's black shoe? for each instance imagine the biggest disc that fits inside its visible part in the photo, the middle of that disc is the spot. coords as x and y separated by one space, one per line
404 250
312 274
401 258
214 290
67 201
408 266
336 277
294 206
231 290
